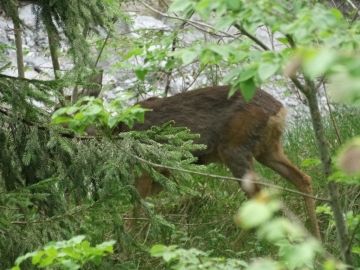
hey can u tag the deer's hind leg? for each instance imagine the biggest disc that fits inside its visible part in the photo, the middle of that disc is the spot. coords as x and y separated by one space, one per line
270 153
146 188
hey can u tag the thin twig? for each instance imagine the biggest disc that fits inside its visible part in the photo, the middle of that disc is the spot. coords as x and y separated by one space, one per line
195 24
332 116
253 38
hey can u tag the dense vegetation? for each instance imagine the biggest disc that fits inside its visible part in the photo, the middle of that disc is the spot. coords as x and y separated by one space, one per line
57 185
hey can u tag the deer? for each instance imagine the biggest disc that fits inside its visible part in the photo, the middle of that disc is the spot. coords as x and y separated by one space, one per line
235 132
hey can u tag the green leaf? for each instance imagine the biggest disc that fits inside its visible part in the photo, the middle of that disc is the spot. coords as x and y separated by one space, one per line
71 252
224 51
302 254
140 73
112 121
307 162
158 250
70 265
264 212
170 64
230 75
180 5
247 74
266 70
79 116
283 40
319 63
337 13
51 252
137 51
168 256
224 22
93 109
233 4
61 119
20 259
189 56
36 259
248 89
77 239
97 260
107 246
140 116
355 250
46 261
233 89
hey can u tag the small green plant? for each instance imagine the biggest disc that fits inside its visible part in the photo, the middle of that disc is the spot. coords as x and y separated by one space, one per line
70 254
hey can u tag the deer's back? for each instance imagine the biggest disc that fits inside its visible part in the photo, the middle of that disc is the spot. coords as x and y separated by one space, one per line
210 113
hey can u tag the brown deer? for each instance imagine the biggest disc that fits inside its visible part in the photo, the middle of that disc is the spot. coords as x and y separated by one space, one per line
234 131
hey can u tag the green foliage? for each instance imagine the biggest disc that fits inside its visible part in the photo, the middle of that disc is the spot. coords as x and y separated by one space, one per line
73 19
318 41
182 259
101 114
71 254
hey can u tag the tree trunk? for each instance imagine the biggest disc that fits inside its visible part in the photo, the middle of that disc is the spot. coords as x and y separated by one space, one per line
18 43
340 222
